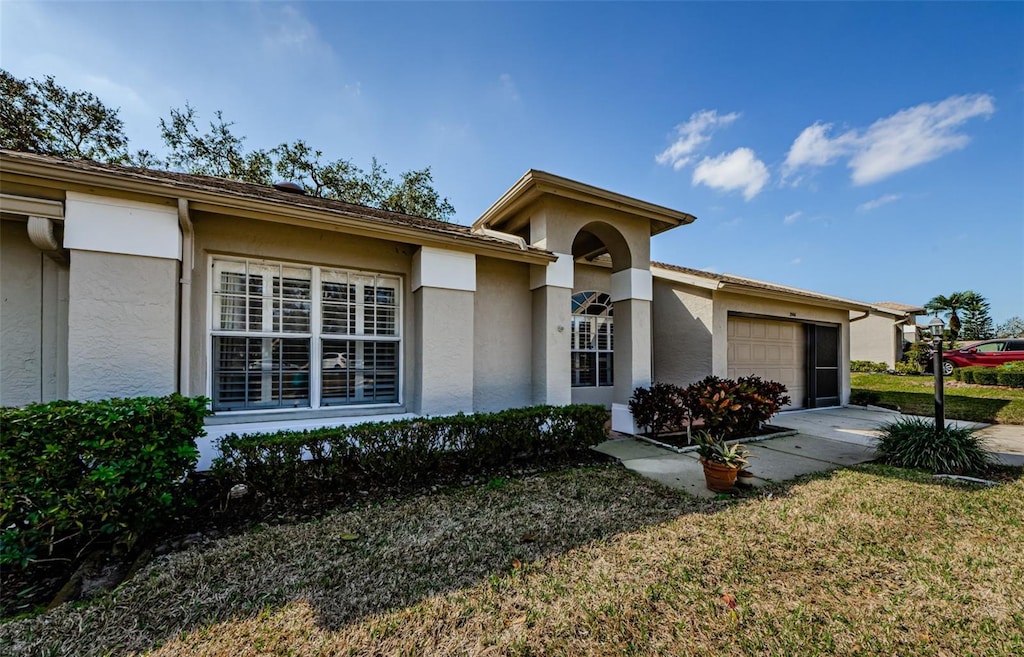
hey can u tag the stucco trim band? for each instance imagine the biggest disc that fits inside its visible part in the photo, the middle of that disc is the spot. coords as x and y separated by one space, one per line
557 274
109 225
440 268
632 284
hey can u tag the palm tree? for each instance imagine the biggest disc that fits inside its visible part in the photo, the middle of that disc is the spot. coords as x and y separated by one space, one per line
949 306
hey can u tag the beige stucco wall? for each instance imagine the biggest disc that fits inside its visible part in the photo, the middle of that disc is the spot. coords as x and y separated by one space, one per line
682 318
122 326
21 282
729 302
502 340
444 355
875 338
241 237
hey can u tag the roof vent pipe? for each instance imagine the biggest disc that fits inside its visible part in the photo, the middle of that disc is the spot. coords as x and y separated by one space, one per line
290 187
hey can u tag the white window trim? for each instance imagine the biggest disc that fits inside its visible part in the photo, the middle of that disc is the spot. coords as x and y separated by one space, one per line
315 339
595 351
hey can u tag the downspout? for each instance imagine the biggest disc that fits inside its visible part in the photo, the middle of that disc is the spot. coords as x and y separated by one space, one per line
864 316
185 298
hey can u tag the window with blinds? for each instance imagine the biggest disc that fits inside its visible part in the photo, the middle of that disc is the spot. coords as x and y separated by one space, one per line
592 340
272 321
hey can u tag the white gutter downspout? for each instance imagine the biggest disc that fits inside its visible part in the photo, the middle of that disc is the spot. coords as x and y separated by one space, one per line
864 316
185 298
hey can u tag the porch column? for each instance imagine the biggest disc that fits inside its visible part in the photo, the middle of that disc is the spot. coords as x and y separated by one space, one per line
444 285
632 291
552 297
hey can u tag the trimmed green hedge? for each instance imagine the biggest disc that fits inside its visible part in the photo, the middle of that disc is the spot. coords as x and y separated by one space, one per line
72 471
986 376
868 366
1011 378
407 453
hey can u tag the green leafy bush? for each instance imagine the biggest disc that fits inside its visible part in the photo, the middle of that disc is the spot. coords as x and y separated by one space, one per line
1007 377
407 453
967 373
659 409
909 368
73 471
913 443
986 376
868 366
734 408
1013 366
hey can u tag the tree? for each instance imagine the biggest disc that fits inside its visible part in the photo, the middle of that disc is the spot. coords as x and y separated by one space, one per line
1011 328
216 153
948 306
41 116
977 323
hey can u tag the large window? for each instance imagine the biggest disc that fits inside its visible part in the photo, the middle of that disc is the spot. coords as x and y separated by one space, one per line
272 320
592 340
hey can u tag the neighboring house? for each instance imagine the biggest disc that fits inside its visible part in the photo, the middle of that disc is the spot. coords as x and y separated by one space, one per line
881 335
124 282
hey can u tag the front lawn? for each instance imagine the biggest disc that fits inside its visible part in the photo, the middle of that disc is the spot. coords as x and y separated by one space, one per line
915 395
595 561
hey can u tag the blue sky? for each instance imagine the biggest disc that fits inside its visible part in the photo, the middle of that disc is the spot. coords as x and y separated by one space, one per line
872 151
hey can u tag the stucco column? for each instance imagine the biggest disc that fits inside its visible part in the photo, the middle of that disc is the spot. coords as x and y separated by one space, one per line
444 287
631 294
552 298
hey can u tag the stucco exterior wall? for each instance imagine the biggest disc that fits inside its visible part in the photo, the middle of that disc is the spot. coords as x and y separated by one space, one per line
502 340
21 282
444 356
727 302
682 318
875 338
241 237
122 326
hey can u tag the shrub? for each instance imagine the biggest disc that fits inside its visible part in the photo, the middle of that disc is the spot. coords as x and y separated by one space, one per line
73 471
732 409
659 409
1013 366
913 443
966 374
868 366
909 368
918 355
1010 378
865 398
407 453
986 376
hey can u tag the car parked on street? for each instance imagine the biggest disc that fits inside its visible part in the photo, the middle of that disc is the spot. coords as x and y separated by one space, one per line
988 353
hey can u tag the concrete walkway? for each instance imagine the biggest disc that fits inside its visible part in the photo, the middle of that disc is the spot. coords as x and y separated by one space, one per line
827 439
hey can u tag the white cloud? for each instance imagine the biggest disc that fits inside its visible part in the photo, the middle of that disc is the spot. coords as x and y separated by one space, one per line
738 170
692 135
879 202
792 217
286 32
795 261
908 138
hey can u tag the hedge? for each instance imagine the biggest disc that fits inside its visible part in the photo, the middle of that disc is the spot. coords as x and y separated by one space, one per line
1011 378
986 376
297 465
868 366
74 471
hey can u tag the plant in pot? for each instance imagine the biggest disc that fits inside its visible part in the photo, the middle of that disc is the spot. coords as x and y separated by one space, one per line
721 461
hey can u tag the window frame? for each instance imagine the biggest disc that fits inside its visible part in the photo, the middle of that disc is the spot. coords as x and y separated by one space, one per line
316 335
609 320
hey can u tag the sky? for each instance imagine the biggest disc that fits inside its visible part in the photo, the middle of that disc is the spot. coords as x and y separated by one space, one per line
872 151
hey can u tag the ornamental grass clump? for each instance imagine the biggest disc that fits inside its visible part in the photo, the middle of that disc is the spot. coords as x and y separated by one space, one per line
913 443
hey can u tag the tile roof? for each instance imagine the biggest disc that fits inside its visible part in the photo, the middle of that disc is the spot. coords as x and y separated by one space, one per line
902 307
179 182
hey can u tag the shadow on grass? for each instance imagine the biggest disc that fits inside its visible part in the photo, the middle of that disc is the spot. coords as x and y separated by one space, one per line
374 559
971 409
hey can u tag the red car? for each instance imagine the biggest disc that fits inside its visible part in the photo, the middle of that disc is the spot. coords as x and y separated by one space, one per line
990 353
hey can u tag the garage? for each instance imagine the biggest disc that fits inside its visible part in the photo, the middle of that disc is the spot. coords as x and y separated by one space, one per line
770 349
803 356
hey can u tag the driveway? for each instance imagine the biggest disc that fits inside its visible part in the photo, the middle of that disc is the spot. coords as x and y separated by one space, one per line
859 426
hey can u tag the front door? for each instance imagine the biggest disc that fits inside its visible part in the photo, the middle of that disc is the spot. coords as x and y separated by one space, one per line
823 365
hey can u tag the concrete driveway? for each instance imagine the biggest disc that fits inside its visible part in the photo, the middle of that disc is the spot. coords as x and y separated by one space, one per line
827 439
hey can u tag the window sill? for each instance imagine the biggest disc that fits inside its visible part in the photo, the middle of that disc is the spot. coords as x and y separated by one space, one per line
297 415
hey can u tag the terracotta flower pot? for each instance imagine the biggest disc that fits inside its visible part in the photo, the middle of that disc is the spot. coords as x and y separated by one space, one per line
720 478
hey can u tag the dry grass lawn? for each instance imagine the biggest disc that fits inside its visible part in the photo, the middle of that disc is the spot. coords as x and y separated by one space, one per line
870 561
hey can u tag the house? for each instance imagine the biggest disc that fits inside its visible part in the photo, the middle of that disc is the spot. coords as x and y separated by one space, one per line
289 310
882 335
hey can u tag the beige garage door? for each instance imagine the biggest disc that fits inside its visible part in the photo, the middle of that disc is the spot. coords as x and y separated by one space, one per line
771 350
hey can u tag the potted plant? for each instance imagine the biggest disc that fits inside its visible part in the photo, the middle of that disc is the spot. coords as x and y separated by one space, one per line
721 461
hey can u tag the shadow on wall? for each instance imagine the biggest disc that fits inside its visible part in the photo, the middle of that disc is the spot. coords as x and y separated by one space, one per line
682 334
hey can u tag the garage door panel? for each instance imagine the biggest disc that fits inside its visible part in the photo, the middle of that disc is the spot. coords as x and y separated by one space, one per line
773 350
